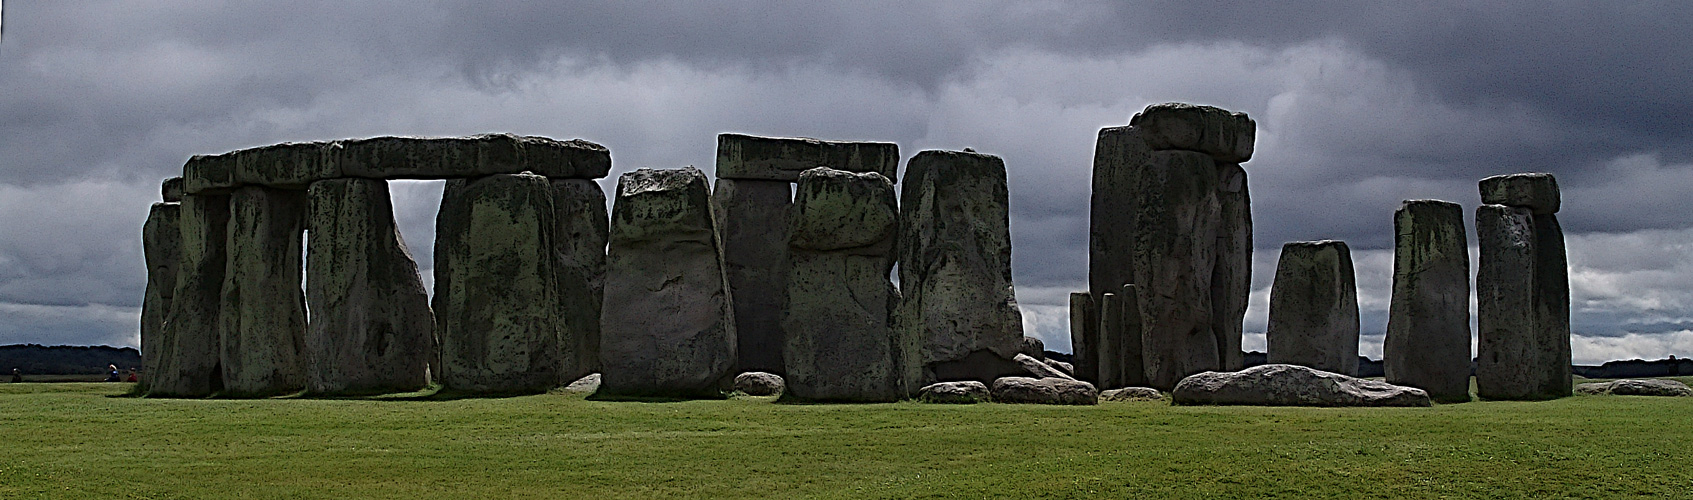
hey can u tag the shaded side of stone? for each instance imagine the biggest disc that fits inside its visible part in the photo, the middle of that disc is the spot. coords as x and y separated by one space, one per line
1119 155
1120 362
741 156
1552 306
1508 358
187 354
1231 277
1084 337
171 190
370 329
469 157
264 308
1226 136
1314 308
1428 324
1177 214
161 244
752 216
1537 192
582 224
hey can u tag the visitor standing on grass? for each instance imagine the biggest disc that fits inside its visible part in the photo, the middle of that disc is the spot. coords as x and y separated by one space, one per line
17 376
112 373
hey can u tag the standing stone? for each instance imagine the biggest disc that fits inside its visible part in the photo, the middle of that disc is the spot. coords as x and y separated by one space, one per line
1119 362
1084 336
1173 258
1552 306
1314 308
1428 322
752 216
371 330
161 242
1118 159
1522 304
667 326
838 324
186 364
955 266
264 308
579 210
496 317
1231 277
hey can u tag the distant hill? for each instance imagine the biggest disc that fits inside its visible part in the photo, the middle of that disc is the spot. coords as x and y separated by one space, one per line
34 359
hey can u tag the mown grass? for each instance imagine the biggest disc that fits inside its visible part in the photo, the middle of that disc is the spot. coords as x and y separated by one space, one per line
73 441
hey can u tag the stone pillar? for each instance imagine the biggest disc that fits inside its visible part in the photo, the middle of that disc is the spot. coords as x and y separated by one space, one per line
1119 359
1522 290
161 242
1084 337
1428 322
186 362
667 326
955 266
752 216
580 212
264 308
1174 255
1231 276
371 330
495 303
1314 308
1118 157
838 324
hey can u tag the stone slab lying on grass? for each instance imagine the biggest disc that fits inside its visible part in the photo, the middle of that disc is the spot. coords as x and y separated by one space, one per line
1132 394
587 384
965 392
1048 391
759 384
1291 385
1637 387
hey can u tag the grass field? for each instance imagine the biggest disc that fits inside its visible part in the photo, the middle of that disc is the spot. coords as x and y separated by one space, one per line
72 440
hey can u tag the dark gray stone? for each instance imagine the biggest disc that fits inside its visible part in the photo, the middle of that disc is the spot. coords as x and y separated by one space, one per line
1084 337
286 165
1537 192
1178 200
1314 308
186 364
1067 368
582 227
667 326
1120 335
209 174
838 324
1226 136
1132 394
752 216
468 157
1034 348
1118 159
1231 275
783 159
1038 368
1291 385
1637 387
963 392
1046 391
955 262
1428 323
264 309
171 190
496 317
370 329
161 244
1522 305
759 384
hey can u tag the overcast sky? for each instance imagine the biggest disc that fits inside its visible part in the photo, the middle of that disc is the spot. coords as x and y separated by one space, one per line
1358 107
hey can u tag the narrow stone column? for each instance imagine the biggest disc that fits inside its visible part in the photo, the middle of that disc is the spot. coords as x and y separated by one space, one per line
840 340
1314 308
371 330
1428 322
264 308
1522 290
187 352
496 301
1231 276
752 216
579 209
667 326
1174 256
1119 360
1084 337
161 242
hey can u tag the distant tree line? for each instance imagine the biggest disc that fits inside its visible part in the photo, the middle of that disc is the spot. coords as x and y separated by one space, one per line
35 359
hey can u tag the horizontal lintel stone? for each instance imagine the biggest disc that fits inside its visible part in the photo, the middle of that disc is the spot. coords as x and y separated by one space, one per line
751 157
297 165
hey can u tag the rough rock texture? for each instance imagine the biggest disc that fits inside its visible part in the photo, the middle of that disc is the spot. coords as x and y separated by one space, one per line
1522 305
955 263
496 317
783 159
371 329
209 174
1067 368
1535 191
1132 394
581 232
1034 347
161 243
1118 159
264 309
839 320
667 327
964 392
296 165
752 217
1179 193
587 384
759 384
1038 368
1228 137
1634 387
1428 323
1314 308
1231 275
1084 336
1291 385
1048 391
1120 362
171 190
187 352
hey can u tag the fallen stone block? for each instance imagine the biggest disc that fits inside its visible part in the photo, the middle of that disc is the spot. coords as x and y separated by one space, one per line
962 392
1291 385
1637 387
1132 394
1048 391
759 384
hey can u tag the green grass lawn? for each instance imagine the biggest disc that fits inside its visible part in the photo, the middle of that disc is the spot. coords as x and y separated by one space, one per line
72 440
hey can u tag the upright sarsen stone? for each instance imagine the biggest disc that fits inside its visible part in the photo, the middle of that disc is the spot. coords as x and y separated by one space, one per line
1084 337
579 210
667 325
955 265
1314 308
752 216
1428 322
1177 218
840 341
186 364
1522 305
371 329
495 292
1231 276
264 308
1120 354
161 244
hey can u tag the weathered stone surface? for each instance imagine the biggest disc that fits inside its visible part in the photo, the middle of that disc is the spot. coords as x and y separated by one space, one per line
467 157
1120 335
1084 336
955 258
1118 159
1291 385
1067 368
1314 308
1428 323
264 309
752 217
1231 275
587 384
1034 347
838 324
1132 394
286 165
782 158
161 245
1537 192
1552 303
1038 368
370 329
1227 137
1522 305
1179 200
171 190
495 303
963 392
759 384
581 232
1048 391
1637 387
667 326
209 174
186 362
